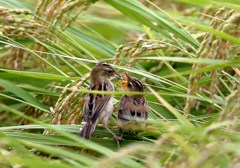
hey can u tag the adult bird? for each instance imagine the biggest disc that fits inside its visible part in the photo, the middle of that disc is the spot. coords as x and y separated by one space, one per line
132 108
99 107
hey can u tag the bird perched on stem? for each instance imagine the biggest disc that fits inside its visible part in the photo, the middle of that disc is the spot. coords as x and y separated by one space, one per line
132 108
99 107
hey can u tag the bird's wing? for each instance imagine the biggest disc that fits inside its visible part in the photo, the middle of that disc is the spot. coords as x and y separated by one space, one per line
95 103
123 112
127 109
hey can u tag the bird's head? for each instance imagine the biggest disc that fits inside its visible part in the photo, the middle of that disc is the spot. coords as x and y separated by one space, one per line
104 70
132 84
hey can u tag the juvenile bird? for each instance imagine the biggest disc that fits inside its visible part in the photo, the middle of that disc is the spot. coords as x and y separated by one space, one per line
132 107
99 107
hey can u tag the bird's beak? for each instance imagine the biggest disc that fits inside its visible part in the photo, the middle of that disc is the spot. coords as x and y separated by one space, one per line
124 84
126 76
117 75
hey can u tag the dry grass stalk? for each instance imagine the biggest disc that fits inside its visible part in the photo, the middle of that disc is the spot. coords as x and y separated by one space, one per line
68 108
128 54
17 23
62 12
133 50
232 105
213 48
21 24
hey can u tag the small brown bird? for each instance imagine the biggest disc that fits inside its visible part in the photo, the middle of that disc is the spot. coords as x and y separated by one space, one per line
132 108
99 107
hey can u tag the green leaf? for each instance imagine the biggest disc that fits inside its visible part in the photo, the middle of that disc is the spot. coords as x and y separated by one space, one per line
38 75
21 93
140 13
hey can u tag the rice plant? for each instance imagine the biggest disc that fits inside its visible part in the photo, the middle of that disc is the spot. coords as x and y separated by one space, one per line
185 52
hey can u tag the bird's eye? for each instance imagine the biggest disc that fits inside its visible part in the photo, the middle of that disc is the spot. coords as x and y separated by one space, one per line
110 71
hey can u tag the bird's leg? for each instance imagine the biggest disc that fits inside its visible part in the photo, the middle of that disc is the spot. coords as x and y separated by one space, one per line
117 138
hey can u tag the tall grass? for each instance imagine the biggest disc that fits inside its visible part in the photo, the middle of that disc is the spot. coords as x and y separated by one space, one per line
186 53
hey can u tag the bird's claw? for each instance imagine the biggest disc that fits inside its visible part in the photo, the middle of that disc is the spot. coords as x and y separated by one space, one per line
118 138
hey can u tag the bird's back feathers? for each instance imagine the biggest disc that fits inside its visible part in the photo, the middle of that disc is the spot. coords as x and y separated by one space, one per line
132 108
94 105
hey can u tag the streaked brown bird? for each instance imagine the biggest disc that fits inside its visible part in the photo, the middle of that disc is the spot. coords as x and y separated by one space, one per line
99 107
132 108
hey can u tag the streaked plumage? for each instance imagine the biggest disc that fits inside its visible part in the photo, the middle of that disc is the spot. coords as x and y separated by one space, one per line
98 107
132 107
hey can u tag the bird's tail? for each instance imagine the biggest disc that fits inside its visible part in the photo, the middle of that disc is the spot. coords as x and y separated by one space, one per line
87 130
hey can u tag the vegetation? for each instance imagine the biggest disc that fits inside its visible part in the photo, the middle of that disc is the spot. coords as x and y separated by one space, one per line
185 52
